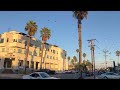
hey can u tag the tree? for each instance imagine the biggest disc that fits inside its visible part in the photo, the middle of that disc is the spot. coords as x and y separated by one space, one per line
118 54
77 50
80 15
31 28
89 65
75 59
84 55
68 61
73 62
45 34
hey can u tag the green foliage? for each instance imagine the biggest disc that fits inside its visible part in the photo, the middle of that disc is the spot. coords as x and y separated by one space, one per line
68 58
80 14
45 33
77 50
31 28
75 58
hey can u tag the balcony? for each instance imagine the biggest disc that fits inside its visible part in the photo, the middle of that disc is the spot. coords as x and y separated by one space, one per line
17 44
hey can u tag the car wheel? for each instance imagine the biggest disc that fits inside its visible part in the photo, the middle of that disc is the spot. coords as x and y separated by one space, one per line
105 77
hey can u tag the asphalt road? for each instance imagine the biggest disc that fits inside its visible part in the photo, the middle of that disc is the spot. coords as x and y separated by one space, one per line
61 76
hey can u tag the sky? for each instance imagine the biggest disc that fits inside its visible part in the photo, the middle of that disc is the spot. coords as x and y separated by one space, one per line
104 26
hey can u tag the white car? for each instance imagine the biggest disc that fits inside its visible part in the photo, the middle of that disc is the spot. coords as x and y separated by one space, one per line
110 75
38 75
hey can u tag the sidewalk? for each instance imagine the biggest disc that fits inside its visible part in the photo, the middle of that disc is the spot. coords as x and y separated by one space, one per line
11 76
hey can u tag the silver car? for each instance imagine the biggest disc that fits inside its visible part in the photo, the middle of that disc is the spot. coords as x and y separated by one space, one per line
110 75
38 75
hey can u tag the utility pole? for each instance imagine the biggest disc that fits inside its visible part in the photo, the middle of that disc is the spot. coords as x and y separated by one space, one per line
92 48
105 54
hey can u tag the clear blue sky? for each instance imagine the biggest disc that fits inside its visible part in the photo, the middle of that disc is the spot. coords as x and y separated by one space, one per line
101 25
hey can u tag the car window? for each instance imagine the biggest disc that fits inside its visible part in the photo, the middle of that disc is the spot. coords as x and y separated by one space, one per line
44 75
34 75
110 74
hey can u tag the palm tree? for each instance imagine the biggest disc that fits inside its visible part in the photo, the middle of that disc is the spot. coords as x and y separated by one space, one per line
80 15
68 61
84 55
75 59
31 28
77 50
72 62
118 54
45 34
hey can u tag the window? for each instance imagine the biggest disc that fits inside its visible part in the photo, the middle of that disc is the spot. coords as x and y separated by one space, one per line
19 51
3 49
57 52
32 64
7 39
53 57
34 75
2 40
14 40
48 49
47 56
54 51
44 75
109 73
51 50
20 63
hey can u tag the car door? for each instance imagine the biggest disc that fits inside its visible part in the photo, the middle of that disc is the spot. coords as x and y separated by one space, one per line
108 75
112 75
115 76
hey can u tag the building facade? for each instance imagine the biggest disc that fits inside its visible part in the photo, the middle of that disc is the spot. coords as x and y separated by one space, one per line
13 50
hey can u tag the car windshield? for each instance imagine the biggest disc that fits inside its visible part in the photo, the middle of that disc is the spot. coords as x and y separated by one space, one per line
111 74
44 75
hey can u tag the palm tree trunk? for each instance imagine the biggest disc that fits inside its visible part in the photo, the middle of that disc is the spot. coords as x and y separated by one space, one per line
27 52
42 55
80 40
80 44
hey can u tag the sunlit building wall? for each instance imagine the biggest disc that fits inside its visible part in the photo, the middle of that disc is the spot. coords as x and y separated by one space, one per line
13 49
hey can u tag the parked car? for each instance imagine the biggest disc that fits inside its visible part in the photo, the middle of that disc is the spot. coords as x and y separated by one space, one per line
38 75
109 75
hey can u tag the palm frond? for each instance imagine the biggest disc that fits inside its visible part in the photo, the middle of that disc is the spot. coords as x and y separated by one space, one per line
31 28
